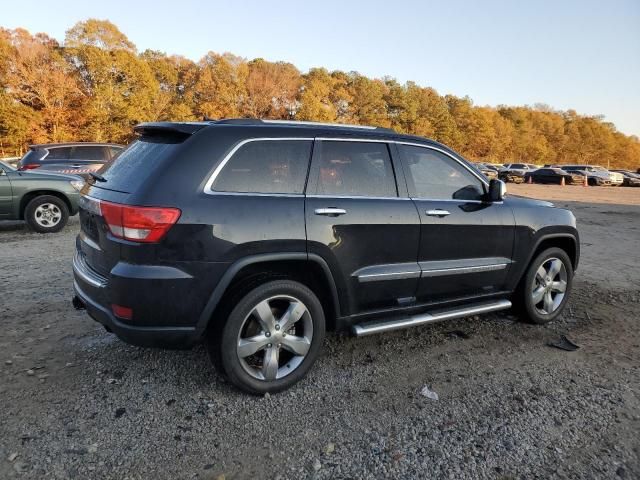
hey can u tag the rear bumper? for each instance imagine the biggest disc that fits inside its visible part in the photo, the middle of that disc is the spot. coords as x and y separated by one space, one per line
93 292
161 337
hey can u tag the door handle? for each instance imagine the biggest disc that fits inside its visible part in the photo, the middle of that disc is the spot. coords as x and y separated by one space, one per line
330 212
437 213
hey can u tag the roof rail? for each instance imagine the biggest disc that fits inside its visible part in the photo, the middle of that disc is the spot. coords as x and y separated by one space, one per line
257 121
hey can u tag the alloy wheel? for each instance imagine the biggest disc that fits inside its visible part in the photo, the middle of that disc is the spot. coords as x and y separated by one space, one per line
549 286
275 337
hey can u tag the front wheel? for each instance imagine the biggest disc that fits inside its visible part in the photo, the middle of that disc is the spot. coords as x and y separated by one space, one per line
546 286
271 337
46 214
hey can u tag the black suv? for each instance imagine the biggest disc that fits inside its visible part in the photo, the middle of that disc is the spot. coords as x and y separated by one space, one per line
76 158
258 236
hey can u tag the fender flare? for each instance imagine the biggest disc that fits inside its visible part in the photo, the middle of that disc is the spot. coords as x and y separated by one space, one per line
572 235
238 265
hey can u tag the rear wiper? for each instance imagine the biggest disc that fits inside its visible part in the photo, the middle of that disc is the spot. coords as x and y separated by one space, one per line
98 177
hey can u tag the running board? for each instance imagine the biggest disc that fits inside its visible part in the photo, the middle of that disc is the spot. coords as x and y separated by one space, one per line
386 325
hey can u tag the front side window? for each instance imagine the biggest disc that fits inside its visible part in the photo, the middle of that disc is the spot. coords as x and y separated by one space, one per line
266 166
358 169
436 176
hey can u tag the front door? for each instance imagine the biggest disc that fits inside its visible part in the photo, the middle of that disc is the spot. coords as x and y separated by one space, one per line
361 225
466 243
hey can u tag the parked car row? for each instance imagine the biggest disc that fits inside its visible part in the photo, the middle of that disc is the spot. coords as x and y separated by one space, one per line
573 174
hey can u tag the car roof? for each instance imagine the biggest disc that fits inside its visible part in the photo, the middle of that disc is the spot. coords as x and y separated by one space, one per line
74 144
315 129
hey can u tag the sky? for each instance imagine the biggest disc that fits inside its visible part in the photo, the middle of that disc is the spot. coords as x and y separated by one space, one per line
569 54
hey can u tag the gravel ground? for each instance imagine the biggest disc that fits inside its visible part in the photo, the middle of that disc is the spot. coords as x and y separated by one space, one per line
75 402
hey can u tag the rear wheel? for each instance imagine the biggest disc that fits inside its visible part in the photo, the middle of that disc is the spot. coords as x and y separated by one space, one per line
271 337
46 214
545 289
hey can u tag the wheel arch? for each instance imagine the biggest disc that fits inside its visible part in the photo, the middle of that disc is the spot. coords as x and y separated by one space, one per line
567 241
30 195
309 269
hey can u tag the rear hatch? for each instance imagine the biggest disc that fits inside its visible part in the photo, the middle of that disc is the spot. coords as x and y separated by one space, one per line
100 243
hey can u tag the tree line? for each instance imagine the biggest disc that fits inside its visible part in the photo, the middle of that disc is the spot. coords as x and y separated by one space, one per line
96 86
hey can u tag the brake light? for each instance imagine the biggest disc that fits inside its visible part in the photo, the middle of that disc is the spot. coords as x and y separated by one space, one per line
28 166
138 224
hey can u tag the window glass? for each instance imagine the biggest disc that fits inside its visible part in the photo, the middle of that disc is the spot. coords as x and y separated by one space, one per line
115 151
518 165
434 175
61 153
266 166
359 169
88 153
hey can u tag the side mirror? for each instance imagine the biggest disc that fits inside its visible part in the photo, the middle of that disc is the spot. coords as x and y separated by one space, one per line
497 190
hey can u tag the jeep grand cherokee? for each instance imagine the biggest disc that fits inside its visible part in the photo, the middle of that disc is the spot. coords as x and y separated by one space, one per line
258 236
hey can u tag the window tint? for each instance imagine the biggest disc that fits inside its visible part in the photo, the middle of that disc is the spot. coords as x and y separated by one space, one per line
132 167
266 166
88 153
518 165
359 169
61 153
115 151
434 175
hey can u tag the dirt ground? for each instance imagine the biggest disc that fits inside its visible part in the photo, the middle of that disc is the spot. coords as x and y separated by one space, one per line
75 402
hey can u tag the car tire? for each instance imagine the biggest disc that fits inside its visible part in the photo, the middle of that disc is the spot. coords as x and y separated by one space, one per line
284 351
46 214
545 288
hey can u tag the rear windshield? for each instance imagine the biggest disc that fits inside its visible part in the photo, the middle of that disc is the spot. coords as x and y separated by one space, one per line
32 156
129 170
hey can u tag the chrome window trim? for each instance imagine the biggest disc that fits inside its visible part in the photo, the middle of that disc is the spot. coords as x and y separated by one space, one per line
375 277
356 197
208 186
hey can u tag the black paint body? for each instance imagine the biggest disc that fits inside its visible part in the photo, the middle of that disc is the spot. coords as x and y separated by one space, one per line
175 286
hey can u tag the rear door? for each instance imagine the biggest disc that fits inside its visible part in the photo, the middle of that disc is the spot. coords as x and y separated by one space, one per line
362 225
465 243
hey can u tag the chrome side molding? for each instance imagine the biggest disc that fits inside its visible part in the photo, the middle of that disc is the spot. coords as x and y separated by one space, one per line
387 325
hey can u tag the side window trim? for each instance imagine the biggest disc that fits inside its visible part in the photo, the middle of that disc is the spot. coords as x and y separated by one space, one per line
208 188
312 181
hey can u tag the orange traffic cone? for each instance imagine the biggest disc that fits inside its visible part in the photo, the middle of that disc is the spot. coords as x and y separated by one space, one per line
586 183
530 180
562 182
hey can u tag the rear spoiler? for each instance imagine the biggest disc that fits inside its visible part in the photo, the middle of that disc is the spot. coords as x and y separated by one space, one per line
183 128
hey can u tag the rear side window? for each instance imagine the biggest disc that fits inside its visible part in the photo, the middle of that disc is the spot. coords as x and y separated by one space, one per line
266 166
61 153
433 175
114 151
358 169
88 153
132 166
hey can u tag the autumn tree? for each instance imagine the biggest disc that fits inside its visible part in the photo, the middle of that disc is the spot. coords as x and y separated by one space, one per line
120 85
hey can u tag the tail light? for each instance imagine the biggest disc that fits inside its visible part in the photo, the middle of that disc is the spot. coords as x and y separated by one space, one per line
28 166
138 224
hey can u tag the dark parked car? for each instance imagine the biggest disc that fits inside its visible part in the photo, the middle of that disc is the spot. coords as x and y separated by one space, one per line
73 158
630 179
44 200
256 237
553 175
